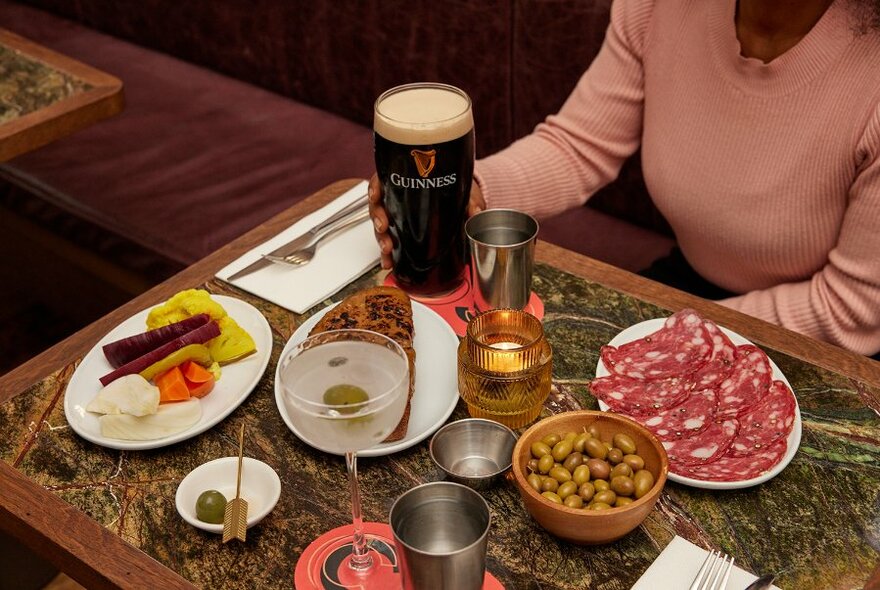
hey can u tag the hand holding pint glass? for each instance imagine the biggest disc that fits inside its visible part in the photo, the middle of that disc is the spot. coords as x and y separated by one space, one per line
424 148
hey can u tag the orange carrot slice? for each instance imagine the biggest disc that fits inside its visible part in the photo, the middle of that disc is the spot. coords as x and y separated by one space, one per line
172 386
199 380
196 373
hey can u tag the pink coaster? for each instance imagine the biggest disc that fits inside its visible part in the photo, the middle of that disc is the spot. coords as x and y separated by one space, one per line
322 566
459 306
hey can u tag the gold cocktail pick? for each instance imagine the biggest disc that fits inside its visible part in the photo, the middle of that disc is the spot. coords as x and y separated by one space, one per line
235 519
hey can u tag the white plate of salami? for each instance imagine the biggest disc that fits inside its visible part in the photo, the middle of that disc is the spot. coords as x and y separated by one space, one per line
234 386
436 388
723 410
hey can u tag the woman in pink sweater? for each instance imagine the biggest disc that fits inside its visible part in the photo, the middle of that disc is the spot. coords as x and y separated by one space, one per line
759 123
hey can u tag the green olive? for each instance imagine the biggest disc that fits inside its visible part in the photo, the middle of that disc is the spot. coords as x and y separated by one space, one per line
539 449
608 497
608 446
535 482
560 474
601 485
643 481
625 443
623 485
579 442
595 448
593 429
574 501
634 461
622 501
561 450
346 398
599 469
570 436
586 491
599 506
551 439
567 489
549 485
545 463
552 497
621 469
211 507
573 461
615 456
581 474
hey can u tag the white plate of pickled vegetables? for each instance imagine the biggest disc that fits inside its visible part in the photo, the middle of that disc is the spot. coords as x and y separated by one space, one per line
169 373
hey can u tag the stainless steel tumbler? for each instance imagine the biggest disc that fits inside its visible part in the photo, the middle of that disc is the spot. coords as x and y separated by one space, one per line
441 530
502 243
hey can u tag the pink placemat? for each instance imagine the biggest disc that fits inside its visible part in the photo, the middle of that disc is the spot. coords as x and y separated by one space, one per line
459 306
322 564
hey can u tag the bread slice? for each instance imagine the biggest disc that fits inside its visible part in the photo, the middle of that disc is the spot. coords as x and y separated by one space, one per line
388 311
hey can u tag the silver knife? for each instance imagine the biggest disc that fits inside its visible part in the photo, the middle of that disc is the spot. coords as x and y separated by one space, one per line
301 241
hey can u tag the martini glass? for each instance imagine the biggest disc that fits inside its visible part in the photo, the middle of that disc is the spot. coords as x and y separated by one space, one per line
346 391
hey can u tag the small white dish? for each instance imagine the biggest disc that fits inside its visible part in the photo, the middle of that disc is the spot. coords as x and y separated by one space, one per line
260 487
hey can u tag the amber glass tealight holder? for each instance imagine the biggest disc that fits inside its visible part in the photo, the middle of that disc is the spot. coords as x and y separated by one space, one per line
504 367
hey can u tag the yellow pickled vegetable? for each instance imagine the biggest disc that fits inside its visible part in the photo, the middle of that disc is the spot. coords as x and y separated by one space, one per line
183 305
232 344
193 352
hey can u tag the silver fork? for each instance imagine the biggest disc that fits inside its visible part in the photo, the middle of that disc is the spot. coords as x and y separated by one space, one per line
305 254
714 572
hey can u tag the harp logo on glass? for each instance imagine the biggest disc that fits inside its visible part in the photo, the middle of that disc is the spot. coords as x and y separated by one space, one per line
424 160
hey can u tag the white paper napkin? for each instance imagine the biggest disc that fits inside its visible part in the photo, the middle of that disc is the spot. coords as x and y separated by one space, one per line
677 566
339 260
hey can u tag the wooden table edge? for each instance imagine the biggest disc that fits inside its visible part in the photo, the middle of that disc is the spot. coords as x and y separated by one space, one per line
87 551
104 99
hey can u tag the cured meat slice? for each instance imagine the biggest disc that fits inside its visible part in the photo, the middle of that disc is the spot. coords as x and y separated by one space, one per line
701 448
768 422
638 398
720 363
747 383
677 349
735 468
688 418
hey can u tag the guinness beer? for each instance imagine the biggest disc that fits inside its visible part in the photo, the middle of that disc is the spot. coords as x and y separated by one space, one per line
424 147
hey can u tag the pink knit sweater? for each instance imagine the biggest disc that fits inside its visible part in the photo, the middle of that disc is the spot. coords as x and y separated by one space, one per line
768 173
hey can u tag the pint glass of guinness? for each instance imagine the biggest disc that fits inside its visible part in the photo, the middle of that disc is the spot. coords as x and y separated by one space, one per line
424 144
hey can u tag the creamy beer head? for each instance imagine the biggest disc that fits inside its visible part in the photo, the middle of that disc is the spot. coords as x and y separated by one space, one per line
424 148
419 114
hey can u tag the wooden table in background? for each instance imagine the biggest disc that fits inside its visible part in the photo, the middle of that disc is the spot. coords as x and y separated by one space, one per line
45 96
67 499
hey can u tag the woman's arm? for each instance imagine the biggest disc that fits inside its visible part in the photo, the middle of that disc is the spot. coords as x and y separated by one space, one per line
841 303
577 151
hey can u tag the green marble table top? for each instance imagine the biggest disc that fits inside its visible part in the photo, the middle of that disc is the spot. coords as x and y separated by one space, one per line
28 85
816 524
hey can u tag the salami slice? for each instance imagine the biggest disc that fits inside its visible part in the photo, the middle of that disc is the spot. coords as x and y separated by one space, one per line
735 468
747 383
701 448
688 418
720 363
638 398
768 422
677 349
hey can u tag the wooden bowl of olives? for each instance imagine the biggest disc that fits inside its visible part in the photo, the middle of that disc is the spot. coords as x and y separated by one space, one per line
589 477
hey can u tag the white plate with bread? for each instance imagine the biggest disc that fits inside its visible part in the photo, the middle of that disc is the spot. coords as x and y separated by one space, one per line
435 394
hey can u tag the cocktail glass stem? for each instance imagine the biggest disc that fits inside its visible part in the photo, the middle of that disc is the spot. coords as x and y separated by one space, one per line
360 557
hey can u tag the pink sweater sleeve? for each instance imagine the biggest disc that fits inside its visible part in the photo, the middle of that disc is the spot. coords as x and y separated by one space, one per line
841 303
577 151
